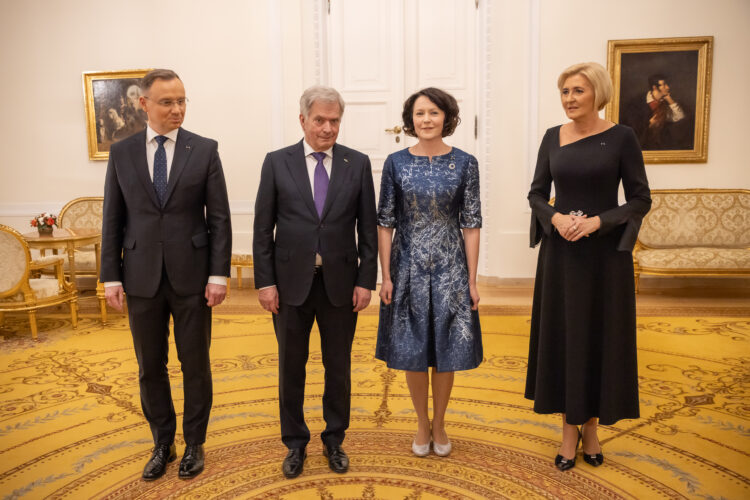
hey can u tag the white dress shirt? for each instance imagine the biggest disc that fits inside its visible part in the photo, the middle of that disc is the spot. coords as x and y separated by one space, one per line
169 145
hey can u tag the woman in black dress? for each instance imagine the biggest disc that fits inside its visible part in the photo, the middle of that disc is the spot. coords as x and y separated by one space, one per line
582 352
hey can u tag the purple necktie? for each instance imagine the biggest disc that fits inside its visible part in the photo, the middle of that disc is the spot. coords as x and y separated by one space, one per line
320 183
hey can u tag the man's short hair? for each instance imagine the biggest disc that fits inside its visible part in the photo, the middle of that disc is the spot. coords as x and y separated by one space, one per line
319 93
597 77
156 74
653 80
442 99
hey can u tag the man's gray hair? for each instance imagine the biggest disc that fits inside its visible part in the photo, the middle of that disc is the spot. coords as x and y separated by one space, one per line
319 93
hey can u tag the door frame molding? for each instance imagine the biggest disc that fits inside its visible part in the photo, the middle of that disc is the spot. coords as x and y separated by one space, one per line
483 104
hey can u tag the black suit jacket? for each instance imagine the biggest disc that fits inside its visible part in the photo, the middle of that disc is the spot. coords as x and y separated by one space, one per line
191 233
346 233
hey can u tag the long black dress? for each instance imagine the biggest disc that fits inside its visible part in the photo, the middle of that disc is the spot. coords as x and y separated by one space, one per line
582 352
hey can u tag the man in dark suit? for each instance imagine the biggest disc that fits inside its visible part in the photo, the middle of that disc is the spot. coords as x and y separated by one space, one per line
166 242
320 265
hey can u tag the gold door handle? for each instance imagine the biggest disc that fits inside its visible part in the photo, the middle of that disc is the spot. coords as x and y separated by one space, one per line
394 130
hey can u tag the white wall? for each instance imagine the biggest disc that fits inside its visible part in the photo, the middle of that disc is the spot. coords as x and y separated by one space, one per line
245 62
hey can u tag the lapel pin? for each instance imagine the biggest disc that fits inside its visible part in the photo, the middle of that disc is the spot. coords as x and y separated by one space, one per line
346 160
452 166
187 147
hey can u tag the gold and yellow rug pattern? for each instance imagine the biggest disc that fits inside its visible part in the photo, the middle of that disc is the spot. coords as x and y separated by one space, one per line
71 424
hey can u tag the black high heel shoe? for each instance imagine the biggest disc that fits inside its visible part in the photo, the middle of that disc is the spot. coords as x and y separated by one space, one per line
563 463
594 460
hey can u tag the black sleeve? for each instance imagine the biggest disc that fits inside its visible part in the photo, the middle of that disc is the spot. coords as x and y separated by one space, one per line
541 210
367 232
114 218
637 194
263 227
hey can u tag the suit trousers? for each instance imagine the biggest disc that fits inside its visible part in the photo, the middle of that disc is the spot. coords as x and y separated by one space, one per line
293 325
149 325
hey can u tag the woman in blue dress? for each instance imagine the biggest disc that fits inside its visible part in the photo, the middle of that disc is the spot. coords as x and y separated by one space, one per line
428 314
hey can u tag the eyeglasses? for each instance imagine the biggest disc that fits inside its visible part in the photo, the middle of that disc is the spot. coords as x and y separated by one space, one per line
168 103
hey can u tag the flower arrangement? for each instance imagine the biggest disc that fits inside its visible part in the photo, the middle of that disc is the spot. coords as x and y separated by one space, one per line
44 222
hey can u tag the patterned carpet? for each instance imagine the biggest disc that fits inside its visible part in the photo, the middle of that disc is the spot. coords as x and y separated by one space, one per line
71 425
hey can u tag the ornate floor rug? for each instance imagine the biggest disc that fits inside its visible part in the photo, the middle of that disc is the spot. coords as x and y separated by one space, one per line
71 424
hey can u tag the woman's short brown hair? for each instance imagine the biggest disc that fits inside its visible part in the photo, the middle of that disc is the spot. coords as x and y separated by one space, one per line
442 99
597 77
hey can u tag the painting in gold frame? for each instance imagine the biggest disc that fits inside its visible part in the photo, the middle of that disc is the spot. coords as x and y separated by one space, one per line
662 89
113 111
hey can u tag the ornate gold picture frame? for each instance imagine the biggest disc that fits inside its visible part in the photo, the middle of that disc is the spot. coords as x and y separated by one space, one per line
112 108
662 89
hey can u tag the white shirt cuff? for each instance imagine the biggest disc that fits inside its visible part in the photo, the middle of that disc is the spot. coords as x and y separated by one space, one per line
108 284
218 280
264 287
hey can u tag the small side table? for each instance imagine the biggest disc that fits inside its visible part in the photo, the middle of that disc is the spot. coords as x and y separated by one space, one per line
69 239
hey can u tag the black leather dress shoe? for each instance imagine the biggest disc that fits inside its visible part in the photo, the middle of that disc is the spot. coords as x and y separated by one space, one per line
192 461
157 464
294 462
337 459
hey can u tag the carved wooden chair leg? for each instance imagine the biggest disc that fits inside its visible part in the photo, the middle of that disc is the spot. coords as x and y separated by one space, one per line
103 310
239 278
74 312
102 301
32 323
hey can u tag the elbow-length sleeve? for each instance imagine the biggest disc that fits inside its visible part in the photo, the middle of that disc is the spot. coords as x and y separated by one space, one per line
470 212
541 210
387 202
637 195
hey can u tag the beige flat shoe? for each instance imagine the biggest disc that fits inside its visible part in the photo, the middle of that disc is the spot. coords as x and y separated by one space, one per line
420 450
441 450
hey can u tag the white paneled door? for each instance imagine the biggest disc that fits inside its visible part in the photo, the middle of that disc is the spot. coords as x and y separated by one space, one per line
381 51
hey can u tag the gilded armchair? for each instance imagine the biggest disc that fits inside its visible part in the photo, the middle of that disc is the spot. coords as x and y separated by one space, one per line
86 213
20 292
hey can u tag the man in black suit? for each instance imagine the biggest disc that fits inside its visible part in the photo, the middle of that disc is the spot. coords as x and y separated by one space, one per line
166 242
320 265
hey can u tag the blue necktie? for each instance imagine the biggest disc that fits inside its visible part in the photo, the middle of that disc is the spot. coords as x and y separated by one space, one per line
320 183
160 169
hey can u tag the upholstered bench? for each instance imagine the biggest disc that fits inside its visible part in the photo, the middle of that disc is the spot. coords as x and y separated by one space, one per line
695 232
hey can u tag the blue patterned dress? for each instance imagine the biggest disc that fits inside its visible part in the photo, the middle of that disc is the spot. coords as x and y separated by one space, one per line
430 321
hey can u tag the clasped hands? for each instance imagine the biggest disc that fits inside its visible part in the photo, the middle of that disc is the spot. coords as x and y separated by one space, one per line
573 227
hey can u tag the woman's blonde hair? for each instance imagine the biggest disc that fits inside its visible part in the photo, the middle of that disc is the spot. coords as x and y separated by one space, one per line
596 75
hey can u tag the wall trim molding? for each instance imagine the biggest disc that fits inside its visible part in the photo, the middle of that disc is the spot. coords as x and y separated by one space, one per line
483 107
533 92
276 72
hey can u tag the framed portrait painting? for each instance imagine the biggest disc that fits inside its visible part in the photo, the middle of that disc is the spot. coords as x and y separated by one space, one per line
662 89
113 110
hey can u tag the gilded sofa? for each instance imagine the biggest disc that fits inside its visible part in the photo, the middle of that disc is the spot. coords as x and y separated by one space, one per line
695 232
